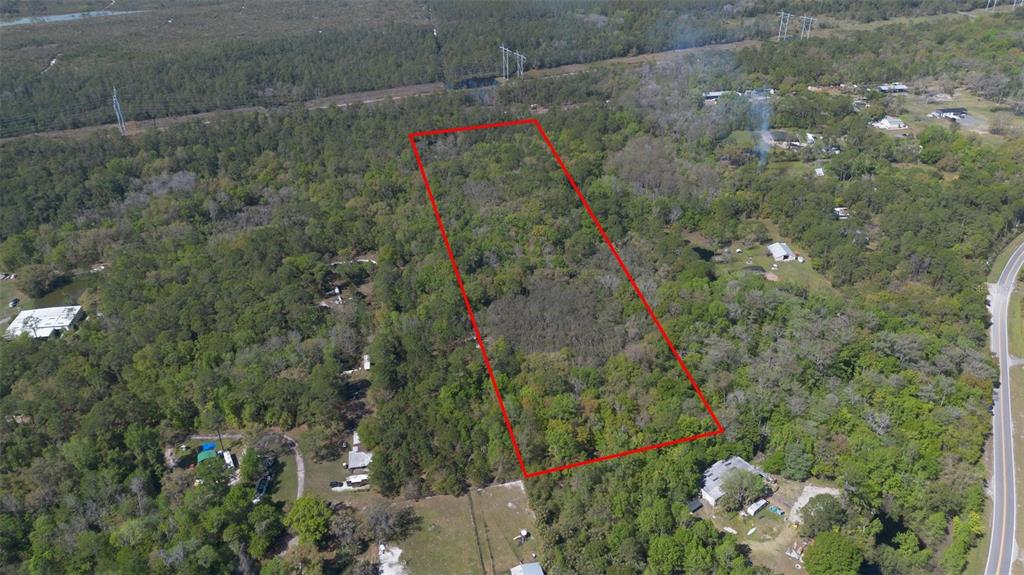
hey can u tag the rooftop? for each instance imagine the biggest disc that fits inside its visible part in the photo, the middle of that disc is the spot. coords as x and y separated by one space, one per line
715 474
359 459
527 569
43 322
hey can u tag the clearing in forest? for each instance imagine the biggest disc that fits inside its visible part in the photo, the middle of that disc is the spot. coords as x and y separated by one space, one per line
580 364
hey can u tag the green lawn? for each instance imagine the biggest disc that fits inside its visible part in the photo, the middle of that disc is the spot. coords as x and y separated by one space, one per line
320 475
449 543
287 481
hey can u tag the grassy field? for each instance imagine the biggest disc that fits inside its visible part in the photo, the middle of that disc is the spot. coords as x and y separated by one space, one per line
985 113
460 533
467 535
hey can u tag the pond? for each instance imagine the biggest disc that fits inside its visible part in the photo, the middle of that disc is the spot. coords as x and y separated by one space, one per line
67 294
65 17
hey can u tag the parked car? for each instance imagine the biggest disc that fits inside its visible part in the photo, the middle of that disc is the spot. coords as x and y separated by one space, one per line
261 488
337 484
13 303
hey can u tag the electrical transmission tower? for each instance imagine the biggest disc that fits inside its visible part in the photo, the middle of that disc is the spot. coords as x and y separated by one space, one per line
505 53
506 70
990 4
119 114
784 25
1018 4
520 63
806 23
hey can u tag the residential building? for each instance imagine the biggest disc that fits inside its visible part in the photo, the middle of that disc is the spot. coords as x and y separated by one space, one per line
715 475
780 252
896 88
527 569
890 123
44 322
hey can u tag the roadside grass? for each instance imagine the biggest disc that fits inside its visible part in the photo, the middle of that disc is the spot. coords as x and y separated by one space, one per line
1016 324
1004 256
1017 395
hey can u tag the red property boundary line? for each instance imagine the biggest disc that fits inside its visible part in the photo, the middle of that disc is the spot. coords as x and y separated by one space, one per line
476 329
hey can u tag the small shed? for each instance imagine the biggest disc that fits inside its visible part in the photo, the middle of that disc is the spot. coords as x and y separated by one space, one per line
780 252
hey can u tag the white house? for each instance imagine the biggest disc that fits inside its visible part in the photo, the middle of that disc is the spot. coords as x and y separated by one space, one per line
44 322
781 252
358 459
890 123
527 569
715 476
895 88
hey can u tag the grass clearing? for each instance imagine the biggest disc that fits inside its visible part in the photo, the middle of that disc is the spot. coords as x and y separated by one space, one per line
287 480
458 531
466 535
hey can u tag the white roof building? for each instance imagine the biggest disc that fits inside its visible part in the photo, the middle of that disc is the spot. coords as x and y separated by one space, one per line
890 123
894 88
715 475
359 459
527 569
781 252
44 322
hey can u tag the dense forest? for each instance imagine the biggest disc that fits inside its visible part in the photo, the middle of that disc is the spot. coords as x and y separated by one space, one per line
172 59
218 241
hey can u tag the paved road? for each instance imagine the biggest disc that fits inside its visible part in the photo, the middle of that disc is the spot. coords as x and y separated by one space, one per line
1002 548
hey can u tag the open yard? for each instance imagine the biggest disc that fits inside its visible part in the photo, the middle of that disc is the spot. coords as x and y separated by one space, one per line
468 535
802 274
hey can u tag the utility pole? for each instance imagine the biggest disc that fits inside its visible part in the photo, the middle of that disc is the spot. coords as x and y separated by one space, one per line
784 25
119 114
520 63
806 23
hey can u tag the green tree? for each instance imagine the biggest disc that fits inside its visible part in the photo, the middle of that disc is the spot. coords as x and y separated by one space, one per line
310 518
833 553
820 514
740 488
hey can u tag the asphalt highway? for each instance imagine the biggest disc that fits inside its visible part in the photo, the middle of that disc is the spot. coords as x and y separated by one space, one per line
1002 548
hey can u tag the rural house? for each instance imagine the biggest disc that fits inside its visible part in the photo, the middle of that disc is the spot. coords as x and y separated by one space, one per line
780 252
44 322
716 474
